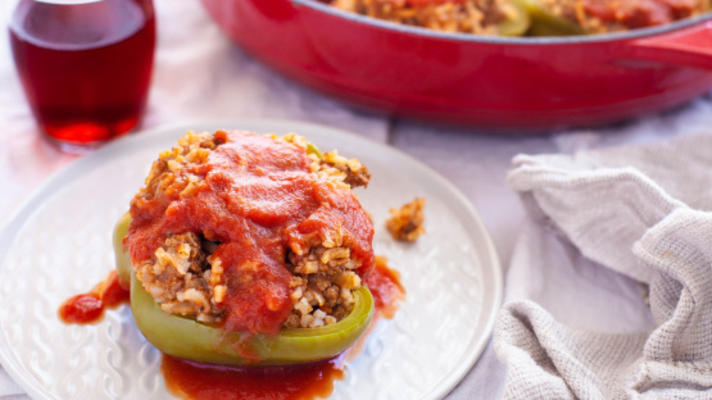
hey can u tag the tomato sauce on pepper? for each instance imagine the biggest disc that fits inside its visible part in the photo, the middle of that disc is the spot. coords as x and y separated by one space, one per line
89 307
384 284
194 381
258 198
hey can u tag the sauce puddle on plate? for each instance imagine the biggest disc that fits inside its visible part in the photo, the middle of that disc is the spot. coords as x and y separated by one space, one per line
195 381
88 308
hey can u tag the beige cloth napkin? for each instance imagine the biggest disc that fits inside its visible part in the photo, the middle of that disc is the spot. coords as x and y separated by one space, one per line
607 228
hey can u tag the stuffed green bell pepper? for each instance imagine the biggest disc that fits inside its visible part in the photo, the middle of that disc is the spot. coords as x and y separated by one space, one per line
192 340
248 249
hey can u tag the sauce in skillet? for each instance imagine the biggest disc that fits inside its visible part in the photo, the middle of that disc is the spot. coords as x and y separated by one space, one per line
641 13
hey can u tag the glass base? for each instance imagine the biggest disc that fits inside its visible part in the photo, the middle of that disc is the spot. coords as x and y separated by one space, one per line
73 148
84 137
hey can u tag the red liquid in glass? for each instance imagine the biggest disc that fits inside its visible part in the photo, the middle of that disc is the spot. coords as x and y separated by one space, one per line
85 65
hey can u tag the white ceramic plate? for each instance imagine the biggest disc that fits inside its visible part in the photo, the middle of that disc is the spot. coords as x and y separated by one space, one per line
59 244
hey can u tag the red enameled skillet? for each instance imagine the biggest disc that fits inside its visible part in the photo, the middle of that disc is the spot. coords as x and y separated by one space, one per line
496 82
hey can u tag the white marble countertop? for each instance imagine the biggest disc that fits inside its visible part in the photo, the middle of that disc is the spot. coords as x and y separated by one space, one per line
200 74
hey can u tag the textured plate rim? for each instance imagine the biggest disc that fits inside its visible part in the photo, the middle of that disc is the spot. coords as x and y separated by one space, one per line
77 168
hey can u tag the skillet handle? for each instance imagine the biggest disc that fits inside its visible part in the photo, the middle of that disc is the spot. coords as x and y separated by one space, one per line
691 47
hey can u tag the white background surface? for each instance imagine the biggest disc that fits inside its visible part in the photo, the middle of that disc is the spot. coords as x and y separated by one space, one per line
200 74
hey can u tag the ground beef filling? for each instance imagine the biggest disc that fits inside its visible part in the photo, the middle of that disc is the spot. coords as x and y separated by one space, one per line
467 16
322 284
406 222
186 278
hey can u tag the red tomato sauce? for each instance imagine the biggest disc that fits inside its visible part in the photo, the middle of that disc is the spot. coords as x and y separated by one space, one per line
194 381
384 284
89 307
641 13
259 199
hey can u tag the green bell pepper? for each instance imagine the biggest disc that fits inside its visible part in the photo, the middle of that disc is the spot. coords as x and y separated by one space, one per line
544 23
312 149
123 262
517 23
192 340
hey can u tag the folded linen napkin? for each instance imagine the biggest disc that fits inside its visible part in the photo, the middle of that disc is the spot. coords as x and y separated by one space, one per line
606 229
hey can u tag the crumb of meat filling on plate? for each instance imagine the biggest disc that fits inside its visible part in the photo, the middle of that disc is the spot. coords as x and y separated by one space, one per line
186 275
406 222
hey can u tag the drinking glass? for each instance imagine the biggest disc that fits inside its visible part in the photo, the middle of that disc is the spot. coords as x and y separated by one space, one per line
85 65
